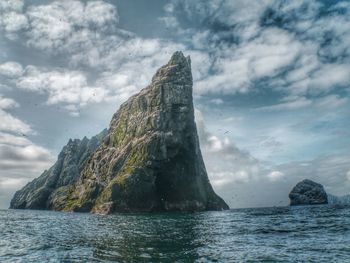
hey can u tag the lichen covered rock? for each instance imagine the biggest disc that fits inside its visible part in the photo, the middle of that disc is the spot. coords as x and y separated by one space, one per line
308 192
150 159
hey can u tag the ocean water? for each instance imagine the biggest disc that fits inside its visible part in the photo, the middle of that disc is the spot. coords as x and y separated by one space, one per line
285 234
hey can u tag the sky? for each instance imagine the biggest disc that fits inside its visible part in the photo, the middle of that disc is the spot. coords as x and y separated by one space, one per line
271 85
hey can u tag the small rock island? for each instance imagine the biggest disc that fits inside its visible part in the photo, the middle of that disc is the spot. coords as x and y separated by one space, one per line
148 160
308 192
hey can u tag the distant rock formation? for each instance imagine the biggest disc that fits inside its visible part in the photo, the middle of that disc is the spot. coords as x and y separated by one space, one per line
149 159
338 200
308 192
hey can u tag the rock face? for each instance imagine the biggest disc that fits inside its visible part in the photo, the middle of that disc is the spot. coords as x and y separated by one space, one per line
308 192
149 160
49 191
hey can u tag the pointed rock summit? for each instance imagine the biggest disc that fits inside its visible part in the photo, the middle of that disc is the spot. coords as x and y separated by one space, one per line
149 159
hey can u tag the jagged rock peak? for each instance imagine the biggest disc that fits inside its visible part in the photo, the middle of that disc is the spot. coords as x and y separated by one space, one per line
177 70
179 58
150 159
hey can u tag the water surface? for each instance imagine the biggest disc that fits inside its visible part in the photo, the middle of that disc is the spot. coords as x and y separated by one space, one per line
297 234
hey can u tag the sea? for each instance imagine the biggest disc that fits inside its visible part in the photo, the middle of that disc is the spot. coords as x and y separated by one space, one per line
277 234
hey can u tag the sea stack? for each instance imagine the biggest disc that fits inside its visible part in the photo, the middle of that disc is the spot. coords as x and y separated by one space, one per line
148 160
308 192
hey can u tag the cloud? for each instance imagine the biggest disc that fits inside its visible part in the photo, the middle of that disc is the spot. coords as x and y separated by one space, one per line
231 170
11 5
245 181
12 124
298 48
11 69
8 186
20 161
221 155
20 158
66 87
72 90
238 177
331 171
7 103
8 122
11 18
13 140
295 103
13 22
86 36
131 68
216 101
70 26
275 176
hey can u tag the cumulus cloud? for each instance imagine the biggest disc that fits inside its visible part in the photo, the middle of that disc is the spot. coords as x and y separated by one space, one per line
14 22
9 122
87 36
297 48
7 103
20 158
11 69
20 161
12 19
275 176
88 33
12 124
11 5
68 87
245 181
72 90
225 162
331 171
235 174
70 26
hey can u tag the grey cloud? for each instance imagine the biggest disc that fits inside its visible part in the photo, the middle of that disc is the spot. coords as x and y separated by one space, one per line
11 69
62 26
245 181
20 159
13 124
14 156
61 86
87 36
12 20
7 103
231 169
295 103
331 171
298 48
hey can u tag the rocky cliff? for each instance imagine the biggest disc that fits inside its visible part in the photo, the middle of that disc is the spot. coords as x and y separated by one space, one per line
49 191
308 192
149 160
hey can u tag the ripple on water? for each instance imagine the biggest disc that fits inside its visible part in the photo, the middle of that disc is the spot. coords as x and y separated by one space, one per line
285 234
